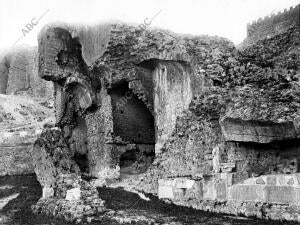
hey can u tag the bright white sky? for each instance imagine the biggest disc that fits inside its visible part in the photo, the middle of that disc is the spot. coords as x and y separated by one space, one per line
227 18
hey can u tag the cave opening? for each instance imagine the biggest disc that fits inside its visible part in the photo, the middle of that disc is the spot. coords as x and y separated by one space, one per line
82 162
134 124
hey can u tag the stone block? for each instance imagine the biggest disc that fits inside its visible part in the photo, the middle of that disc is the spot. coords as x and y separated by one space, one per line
297 178
250 181
209 190
179 193
165 182
271 180
247 193
228 177
73 194
240 130
184 184
227 167
48 192
221 190
165 192
297 196
280 194
290 181
281 180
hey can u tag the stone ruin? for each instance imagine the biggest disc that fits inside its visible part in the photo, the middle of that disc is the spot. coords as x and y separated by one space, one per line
26 103
19 73
201 123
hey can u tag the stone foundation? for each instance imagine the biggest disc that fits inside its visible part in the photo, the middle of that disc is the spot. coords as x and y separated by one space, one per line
267 197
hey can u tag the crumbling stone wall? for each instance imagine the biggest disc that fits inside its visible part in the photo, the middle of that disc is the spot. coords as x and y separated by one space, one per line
209 100
273 24
4 70
133 122
259 159
18 78
246 96
60 59
19 73
184 64
52 158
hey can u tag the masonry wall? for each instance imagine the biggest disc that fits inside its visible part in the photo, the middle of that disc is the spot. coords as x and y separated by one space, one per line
79 137
145 75
18 78
274 24
54 42
39 87
4 69
133 122
19 73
